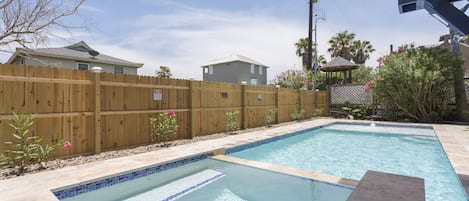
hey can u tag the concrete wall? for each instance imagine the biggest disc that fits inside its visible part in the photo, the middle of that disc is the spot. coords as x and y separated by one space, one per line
236 72
70 64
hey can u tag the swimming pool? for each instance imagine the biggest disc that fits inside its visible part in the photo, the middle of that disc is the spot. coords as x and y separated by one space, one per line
207 179
349 150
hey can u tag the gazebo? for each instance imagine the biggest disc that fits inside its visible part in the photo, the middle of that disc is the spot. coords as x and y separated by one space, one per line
341 67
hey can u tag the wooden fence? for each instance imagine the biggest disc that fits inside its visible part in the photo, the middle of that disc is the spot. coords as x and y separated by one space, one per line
104 111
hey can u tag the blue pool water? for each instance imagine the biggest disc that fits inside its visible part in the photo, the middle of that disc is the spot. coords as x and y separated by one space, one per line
350 150
211 179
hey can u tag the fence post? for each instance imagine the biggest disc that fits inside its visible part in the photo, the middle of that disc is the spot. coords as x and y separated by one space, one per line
191 108
97 109
244 102
299 100
277 103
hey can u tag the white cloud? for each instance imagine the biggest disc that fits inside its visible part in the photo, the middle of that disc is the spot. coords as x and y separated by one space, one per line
188 39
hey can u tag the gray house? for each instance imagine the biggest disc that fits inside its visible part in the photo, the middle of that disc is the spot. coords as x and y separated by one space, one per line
77 56
235 69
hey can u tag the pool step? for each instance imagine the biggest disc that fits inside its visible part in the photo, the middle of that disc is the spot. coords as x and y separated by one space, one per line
180 187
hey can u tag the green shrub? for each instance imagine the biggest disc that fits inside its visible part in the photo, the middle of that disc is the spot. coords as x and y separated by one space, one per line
26 150
231 121
298 115
416 83
163 127
317 112
360 111
270 118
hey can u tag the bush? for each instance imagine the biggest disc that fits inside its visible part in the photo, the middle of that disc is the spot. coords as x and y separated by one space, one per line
360 111
231 121
163 127
298 115
270 118
416 82
26 150
317 112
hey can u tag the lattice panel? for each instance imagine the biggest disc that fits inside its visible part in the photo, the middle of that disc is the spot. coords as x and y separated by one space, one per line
354 94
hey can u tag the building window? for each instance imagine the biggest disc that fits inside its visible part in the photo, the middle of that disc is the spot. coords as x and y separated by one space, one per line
210 70
260 70
21 61
252 69
205 70
83 66
118 69
253 81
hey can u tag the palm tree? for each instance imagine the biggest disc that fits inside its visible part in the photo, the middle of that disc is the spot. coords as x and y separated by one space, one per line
322 60
164 72
361 51
341 45
302 49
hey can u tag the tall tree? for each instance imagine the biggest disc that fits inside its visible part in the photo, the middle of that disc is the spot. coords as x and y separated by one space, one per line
341 45
164 72
361 51
302 49
33 22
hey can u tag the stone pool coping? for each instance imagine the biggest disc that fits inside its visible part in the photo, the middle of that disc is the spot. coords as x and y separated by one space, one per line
38 186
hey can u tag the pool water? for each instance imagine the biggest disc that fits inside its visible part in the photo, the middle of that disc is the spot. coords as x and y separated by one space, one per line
231 182
350 150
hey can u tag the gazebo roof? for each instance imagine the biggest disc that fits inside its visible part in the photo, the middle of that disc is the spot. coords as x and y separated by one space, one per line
338 64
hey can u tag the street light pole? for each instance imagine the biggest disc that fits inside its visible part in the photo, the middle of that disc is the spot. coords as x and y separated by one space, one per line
310 36
316 64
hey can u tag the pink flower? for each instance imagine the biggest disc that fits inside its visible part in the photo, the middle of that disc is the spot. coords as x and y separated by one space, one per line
171 113
368 85
380 79
67 145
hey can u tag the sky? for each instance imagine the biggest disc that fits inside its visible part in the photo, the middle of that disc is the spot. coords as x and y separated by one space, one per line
186 34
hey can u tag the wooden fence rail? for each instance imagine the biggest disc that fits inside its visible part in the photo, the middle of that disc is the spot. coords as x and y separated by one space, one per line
104 111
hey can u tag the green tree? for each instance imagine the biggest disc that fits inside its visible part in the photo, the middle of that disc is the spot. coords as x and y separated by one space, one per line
294 79
164 72
362 74
361 51
341 45
302 49
416 81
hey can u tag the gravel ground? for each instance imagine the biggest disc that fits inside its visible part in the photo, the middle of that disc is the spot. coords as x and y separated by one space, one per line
7 173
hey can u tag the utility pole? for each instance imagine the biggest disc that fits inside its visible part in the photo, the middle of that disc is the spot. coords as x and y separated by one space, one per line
316 63
310 36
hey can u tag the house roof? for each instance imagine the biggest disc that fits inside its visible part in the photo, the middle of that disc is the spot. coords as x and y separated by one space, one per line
233 58
78 51
338 64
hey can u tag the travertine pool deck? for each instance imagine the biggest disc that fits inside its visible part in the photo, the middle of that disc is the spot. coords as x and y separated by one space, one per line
455 140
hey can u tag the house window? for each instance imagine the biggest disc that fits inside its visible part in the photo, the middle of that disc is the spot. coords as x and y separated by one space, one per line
253 81
252 69
205 70
118 69
83 66
260 70
210 70
21 61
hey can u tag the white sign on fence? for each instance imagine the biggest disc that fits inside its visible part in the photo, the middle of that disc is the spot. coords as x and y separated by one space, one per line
157 94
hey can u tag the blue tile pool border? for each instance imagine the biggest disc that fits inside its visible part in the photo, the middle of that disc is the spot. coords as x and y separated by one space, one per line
106 182
273 139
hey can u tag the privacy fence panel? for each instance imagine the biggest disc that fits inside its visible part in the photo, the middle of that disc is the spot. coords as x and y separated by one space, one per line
108 111
353 94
